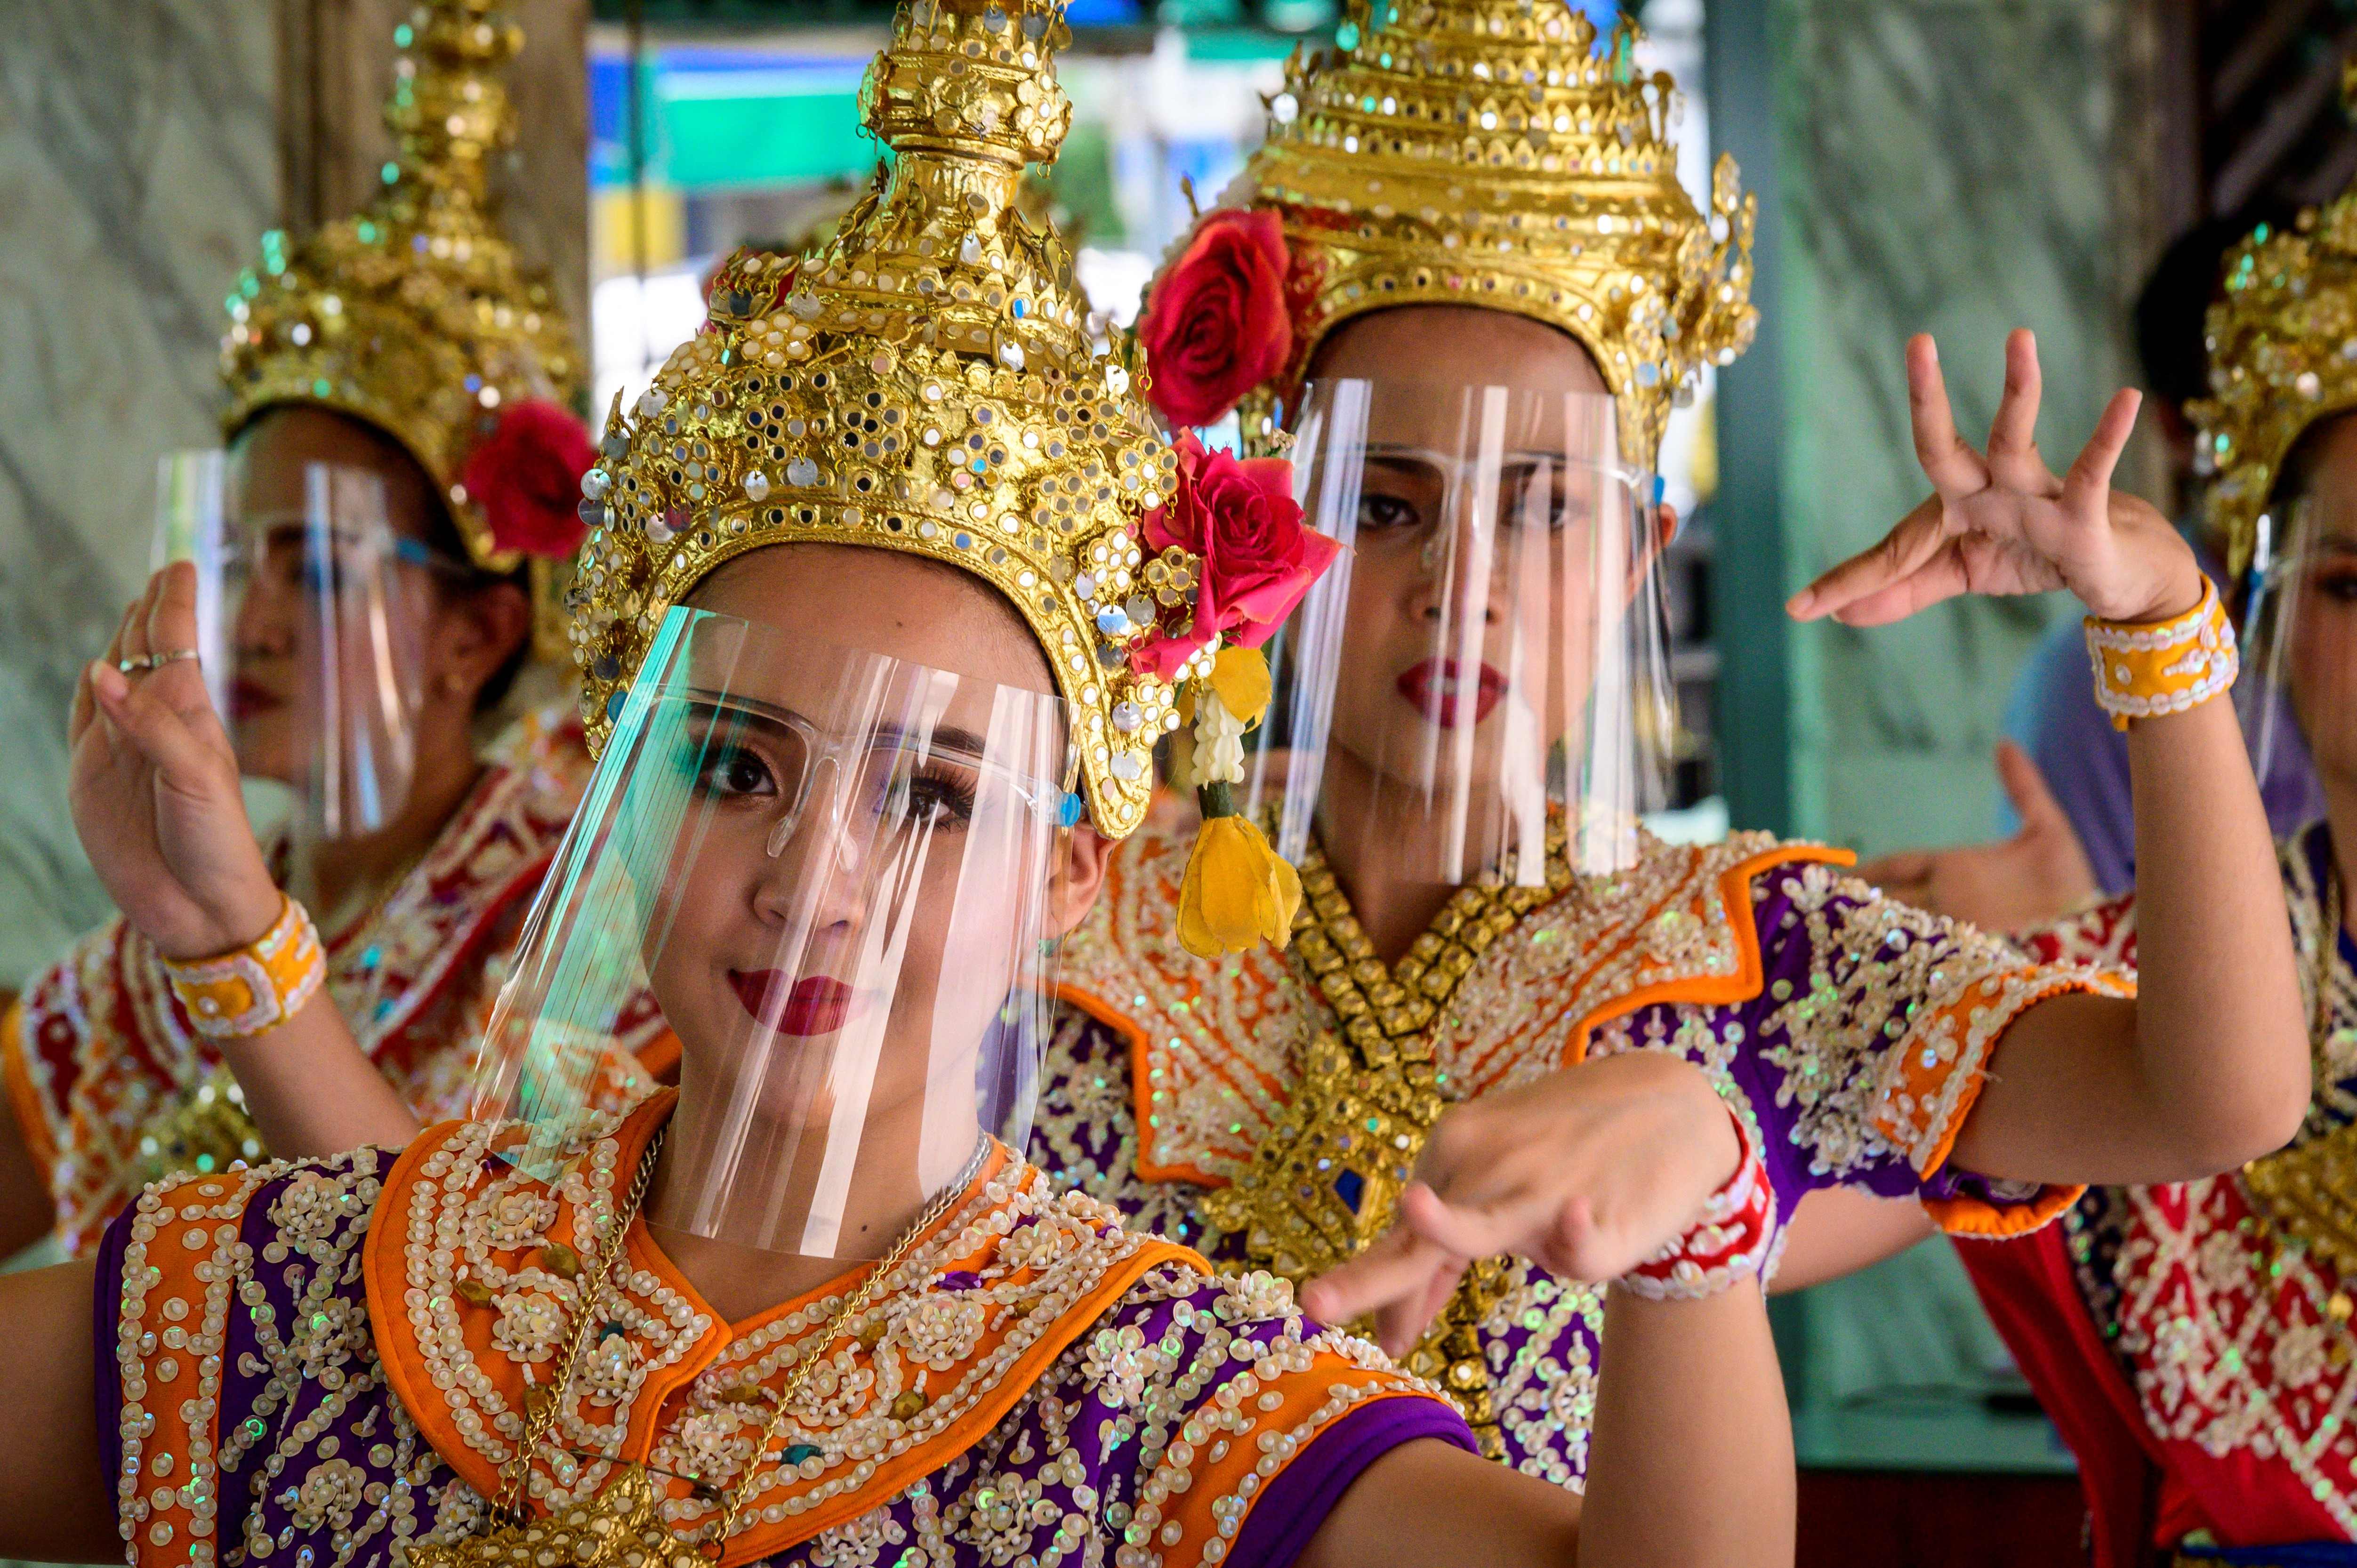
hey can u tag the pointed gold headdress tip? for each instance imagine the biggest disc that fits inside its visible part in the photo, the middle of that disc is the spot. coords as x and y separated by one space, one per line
924 382
448 109
971 80
1502 154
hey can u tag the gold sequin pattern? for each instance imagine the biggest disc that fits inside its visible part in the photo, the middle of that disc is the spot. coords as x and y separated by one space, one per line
1489 153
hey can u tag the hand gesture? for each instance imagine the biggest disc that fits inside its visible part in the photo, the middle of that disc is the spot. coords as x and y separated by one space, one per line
2004 524
2031 880
153 785
1587 1172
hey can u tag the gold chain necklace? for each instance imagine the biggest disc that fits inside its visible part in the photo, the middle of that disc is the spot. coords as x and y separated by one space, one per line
1324 1179
623 1524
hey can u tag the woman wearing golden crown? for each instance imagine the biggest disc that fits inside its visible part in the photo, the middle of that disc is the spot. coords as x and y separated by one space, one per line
2192 1340
402 472
1461 284
871 709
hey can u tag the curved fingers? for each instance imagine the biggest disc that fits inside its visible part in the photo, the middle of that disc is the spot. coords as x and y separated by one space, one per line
2090 478
1396 1265
1948 461
2013 454
2026 788
1943 577
154 722
135 622
1919 536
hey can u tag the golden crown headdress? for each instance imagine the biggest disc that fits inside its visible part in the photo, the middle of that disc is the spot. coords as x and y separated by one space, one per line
415 316
925 385
2282 340
1488 153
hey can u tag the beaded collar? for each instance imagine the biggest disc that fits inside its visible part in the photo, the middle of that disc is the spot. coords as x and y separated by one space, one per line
1508 981
472 1270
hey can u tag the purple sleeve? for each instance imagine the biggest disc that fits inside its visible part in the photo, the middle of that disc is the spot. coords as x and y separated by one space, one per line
1292 1508
106 1295
1867 1043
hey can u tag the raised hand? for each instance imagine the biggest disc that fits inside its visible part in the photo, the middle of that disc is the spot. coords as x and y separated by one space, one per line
2003 523
1587 1172
2032 879
153 785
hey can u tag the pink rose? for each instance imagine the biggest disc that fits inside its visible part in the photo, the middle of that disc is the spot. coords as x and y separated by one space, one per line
526 475
1216 326
1240 520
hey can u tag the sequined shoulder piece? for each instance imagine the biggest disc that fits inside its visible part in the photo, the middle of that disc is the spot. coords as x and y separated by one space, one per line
1216 1048
1676 927
475 1271
235 1305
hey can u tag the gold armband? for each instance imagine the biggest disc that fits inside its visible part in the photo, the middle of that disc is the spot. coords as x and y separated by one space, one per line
253 990
2164 667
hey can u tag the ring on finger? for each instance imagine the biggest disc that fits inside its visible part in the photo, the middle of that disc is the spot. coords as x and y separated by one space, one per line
141 662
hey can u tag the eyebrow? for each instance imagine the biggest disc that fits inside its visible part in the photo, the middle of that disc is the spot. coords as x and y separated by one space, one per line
776 717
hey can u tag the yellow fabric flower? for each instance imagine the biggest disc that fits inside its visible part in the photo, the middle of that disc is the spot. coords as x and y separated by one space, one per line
1237 891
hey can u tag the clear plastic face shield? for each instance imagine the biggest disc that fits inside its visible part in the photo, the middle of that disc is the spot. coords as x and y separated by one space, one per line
1484 666
312 621
834 870
2298 692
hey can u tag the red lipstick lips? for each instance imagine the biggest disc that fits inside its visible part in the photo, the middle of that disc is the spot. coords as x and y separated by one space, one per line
249 700
813 1005
1441 693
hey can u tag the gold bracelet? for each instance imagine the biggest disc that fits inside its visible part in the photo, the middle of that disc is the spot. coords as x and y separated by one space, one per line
258 987
2163 667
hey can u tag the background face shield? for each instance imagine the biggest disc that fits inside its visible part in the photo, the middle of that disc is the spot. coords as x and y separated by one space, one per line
312 617
832 867
1487 657
2298 635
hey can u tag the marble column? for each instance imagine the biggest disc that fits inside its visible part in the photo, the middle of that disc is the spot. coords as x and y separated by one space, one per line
1960 167
145 146
138 162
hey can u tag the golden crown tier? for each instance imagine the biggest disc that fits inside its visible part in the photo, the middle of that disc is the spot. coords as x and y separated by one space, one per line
415 316
2283 354
1491 153
924 384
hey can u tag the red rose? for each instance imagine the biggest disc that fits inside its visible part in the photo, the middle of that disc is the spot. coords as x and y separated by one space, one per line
526 475
1216 326
1240 520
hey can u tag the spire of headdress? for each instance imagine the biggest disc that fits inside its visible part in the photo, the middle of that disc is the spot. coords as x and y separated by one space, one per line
925 384
415 316
448 109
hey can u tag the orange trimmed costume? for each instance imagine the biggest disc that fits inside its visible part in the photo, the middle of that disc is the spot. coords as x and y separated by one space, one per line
1267 1107
111 1087
331 1358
